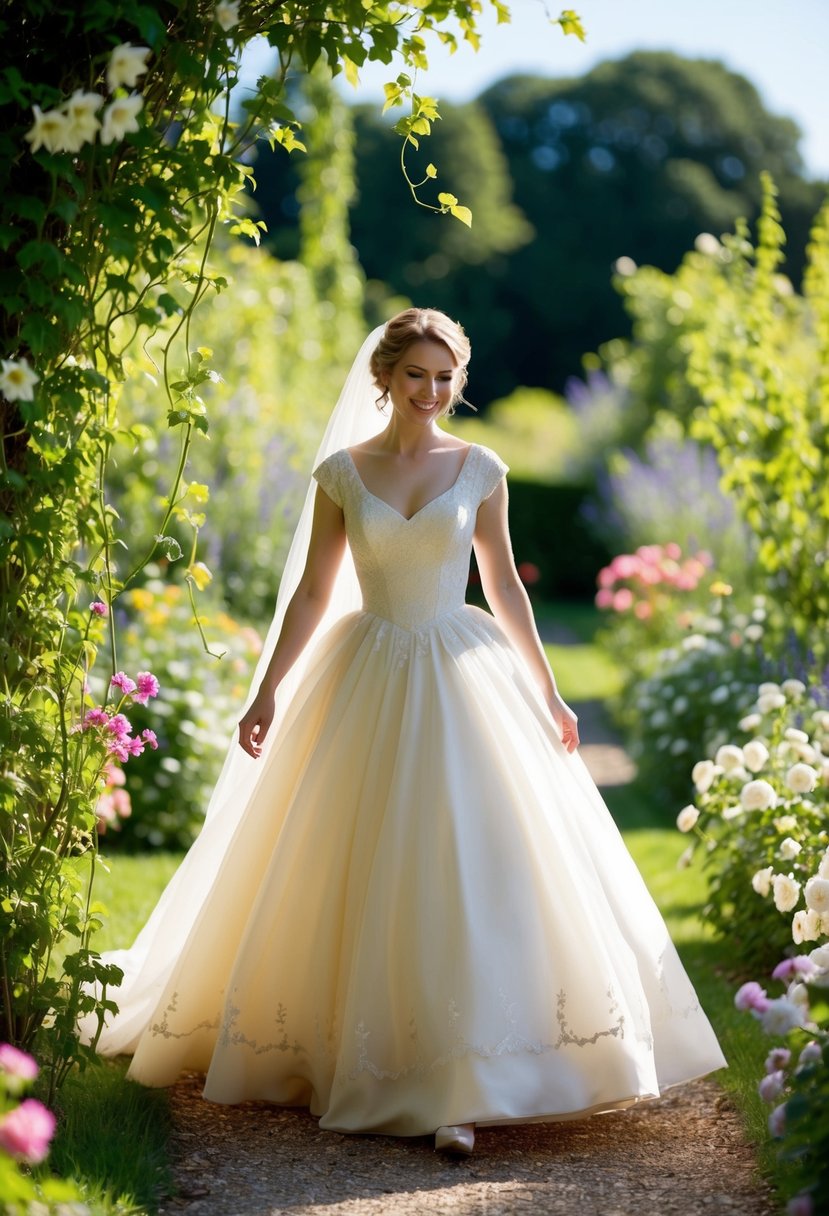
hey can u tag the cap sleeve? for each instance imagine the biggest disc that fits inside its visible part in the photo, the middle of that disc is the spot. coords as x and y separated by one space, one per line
328 474
492 469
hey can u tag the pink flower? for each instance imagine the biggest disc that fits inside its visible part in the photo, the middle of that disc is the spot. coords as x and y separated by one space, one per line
791 967
604 598
812 1053
16 1063
113 775
800 1205
134 746
95 717
149 737
685 581
119 725
148 684
121 680
99 608
751 996
105 811
643 611
673 551
25 1132
118 748
622 600
122 803
649 575
624 565
771 1086
650 554
606 577
777 1120
778 1057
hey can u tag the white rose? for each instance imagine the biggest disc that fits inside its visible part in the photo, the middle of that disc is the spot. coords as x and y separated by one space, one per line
790 849
731 812
823 868
17 380
750 722
755 755
126 64
769 686
804 752
805 926
786 892
703 774
820 957
686 818
767 701
816 894
793 688
786 823
754 632
797 736
694 641
729 757
758 796
49 131
761 881
708 244
781 1016
121 117
798 994
738 774
801 778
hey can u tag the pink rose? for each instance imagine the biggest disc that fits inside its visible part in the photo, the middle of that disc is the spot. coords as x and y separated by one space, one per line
606 577
751 996
16 1063
643 611
623 600
777 1058
26 1131
604 598
673 551
624 565
771 1086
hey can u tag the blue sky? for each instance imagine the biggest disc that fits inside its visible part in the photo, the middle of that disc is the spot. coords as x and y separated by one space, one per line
782 46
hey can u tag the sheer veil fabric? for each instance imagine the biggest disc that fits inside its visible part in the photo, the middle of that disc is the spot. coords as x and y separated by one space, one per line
148 962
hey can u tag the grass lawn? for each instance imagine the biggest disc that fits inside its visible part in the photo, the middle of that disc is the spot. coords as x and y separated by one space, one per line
113 1133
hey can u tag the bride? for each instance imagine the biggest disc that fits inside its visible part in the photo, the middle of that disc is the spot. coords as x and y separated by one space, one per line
409 908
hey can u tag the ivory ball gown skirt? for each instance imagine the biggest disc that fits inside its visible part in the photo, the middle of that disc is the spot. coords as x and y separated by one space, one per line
425 914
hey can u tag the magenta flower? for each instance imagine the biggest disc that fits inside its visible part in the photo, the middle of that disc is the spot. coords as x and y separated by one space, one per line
134 746
771 1086
26 1131
149 737
95 717
778 1058
121 680
147 687
119 725
99 608
117 747
16 1063
751 996
791 967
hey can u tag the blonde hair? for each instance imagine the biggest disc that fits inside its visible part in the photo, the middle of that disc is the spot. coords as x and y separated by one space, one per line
421 325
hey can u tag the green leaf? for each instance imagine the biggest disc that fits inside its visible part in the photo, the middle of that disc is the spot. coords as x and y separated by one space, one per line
463 214
431 171
570 23
170 547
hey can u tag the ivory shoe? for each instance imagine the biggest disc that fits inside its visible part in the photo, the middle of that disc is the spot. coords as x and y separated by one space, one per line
457 1139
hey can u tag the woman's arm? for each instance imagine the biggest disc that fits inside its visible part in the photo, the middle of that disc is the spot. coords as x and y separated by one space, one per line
303 614
510 605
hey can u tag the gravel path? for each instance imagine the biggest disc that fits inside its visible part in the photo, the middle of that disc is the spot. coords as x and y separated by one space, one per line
683 1155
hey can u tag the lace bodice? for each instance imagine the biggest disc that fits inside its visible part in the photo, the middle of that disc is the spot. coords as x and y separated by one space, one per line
411 571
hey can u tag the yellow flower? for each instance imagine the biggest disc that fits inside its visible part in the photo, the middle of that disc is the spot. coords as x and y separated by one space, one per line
720 588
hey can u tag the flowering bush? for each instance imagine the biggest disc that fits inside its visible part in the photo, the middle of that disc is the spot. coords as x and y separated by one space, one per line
194 717
796 1080
685 701
760 812
26 1130
646 587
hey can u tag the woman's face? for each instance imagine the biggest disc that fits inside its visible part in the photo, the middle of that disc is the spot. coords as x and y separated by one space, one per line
421 383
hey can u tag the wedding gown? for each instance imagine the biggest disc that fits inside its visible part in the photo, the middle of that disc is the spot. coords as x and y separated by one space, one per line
425 914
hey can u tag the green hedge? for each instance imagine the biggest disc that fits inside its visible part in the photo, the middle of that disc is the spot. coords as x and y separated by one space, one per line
549 530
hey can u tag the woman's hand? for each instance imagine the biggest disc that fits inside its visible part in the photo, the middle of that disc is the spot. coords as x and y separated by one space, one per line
256 723
566 721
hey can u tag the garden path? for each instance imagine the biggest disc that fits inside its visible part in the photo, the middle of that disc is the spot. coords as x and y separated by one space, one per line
681 1156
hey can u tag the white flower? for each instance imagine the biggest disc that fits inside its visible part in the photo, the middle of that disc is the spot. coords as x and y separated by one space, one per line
17 380
823 868
767 701
731 812
685 858
126 64
729 757
754 632
786 892
798 994
805 926
720 695
761 881
703 774
82 121
801 778
811 1054
793 688
768 686
797 736
49 131
755 754
680 705
786 823
750 722
227 14
790 848
816 895
758 796
121 117
678 747
777 1121
694 641
820 957
781 1016
738 774
804 752
686 818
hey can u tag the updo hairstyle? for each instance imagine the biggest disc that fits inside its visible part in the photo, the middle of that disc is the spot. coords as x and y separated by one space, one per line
418 325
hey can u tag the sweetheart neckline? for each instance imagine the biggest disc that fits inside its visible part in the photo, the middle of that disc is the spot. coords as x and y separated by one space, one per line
407 519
